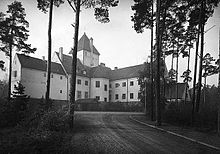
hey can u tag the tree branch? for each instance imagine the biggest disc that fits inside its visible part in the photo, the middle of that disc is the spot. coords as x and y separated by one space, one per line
71 5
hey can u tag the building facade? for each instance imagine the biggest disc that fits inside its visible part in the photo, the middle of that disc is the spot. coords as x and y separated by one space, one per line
93 80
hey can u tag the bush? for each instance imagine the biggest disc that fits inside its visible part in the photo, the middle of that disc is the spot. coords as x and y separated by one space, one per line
54 121
179 114
43 133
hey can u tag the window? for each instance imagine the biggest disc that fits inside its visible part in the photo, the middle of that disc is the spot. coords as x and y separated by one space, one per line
86 94
131 83
45 74
116 96
78 81
61 77
79 94
117 85
123 84
97 84
105 99
110 85
105 87
131 95
51 75
97 97
123 96
15 74
61 91
86 83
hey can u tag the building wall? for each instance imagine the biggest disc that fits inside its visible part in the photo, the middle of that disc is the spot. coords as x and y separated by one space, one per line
95 60
126 90
80 55
34 82
16 66
100 91
87 58
80 87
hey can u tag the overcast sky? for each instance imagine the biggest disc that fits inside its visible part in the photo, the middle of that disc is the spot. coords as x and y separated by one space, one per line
117 42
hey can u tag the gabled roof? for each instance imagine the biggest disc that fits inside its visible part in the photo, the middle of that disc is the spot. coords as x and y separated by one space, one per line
39 64
67 62
127 72
170 91
100 72
84 44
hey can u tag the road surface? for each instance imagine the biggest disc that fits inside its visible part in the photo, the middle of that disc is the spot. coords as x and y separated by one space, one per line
103 132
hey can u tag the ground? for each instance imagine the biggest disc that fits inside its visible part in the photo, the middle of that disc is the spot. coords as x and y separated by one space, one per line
115 132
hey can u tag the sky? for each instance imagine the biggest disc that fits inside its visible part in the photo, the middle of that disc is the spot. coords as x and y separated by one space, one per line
117 42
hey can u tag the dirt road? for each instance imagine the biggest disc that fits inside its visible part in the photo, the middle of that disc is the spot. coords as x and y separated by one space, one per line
109 132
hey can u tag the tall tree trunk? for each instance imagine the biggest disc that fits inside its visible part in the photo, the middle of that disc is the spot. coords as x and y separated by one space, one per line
47 97
158 44
177 62
202 25
152 79
10 70
187 80
195 70
219 83
74 63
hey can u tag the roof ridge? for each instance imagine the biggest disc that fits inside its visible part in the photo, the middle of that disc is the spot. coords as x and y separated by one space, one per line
128 67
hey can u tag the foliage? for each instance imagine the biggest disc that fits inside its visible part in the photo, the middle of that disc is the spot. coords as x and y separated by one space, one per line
205 119
186 76
14 29
101 8
208 66
15 110
2 66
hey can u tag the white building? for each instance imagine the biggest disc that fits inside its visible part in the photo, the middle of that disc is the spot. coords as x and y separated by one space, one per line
93 80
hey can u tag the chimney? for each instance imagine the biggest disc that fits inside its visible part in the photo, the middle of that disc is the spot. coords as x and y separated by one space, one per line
116 68
61 53
43 57
102 64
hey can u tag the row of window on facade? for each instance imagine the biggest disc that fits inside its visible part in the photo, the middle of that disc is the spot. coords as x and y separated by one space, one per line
79 94
123 84
123 96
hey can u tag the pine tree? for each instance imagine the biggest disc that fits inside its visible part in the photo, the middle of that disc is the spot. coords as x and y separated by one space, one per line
101 14
20 100
14 34
43 5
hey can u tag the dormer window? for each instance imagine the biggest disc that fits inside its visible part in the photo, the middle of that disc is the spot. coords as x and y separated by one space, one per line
84 72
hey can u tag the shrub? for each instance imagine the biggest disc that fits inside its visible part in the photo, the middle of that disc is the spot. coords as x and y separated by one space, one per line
54 121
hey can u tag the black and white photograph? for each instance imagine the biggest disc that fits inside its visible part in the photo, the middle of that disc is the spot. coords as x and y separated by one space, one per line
109 76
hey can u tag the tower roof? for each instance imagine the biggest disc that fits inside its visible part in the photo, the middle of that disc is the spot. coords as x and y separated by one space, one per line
84 44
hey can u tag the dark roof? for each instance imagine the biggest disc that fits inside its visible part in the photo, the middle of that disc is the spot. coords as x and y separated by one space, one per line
100 72
67 62
84 44
170 91
127 72
39 64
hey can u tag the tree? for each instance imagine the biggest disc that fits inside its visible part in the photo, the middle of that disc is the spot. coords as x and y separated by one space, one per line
146 8
43 5
14 33
20 97
102 15
144 81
